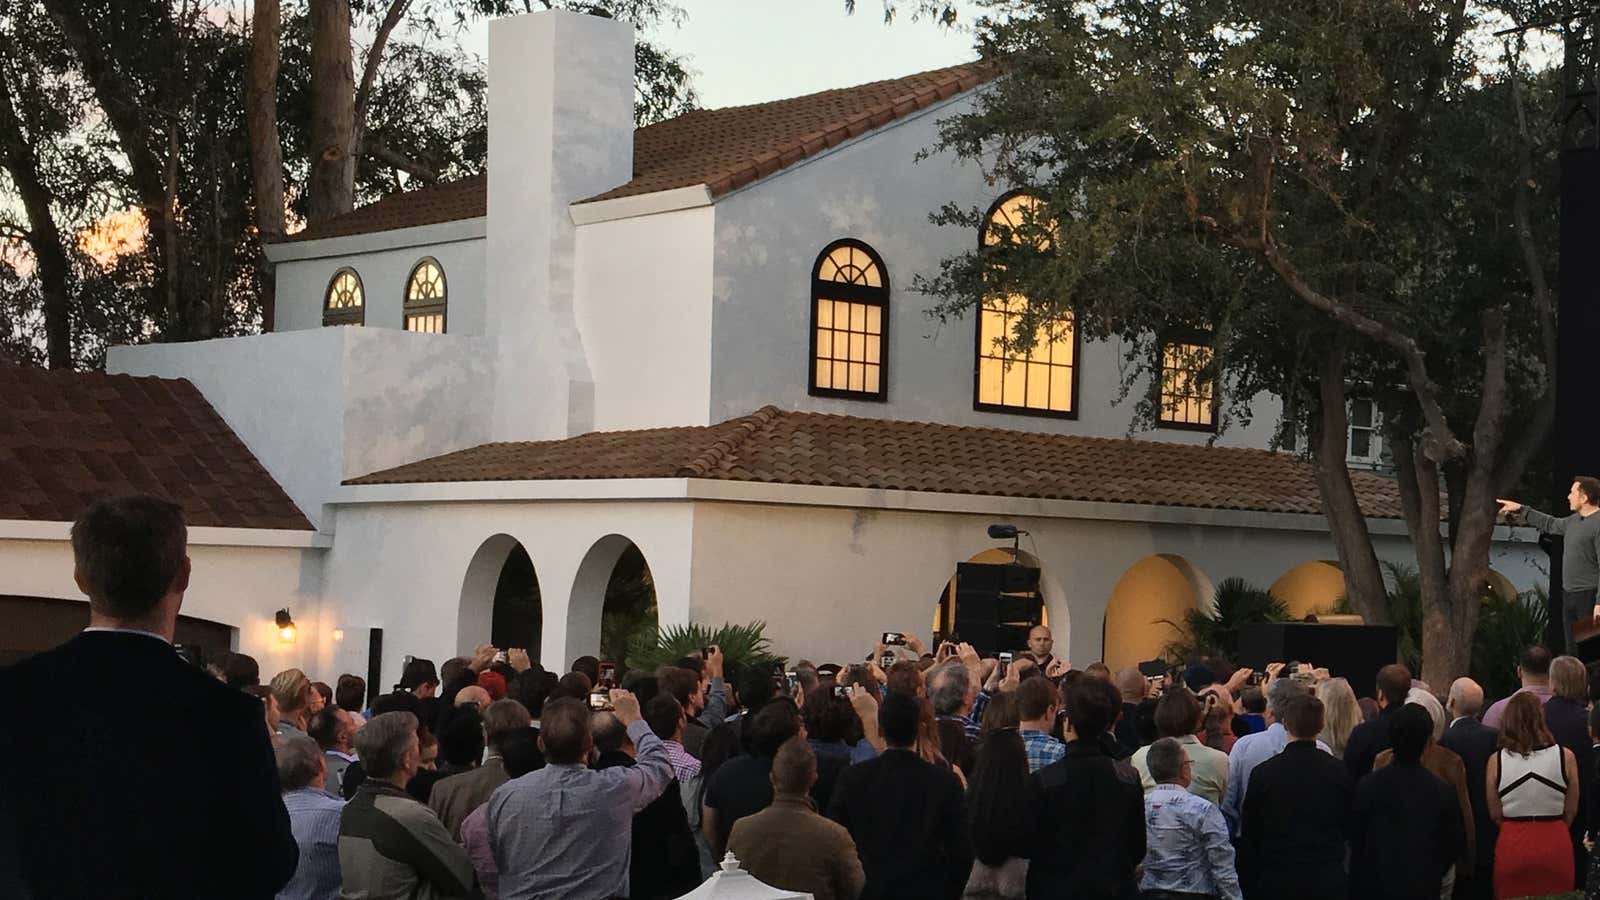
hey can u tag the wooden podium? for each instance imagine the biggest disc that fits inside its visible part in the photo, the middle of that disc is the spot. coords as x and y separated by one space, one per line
1352 652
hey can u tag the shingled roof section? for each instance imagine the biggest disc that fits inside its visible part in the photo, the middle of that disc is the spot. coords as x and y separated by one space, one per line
720 148
780 447
70 438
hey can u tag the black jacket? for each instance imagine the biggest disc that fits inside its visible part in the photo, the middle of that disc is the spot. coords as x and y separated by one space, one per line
1568 722
1475 742
665 861
1293 826
1406 832
1090 828
145 777
908 820
1367 741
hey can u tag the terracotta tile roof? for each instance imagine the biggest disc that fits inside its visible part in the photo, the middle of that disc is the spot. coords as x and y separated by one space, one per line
843 451
720 148
728 148
466 198
70 438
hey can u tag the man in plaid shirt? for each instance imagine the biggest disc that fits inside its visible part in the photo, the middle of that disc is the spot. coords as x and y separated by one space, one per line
1037 702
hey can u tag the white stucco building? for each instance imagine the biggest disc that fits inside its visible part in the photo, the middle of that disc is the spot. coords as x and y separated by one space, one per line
697 338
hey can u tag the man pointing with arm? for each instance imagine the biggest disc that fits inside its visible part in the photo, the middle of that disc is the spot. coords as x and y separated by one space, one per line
1580 551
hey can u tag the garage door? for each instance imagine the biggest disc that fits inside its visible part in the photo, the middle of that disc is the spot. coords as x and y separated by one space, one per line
31 624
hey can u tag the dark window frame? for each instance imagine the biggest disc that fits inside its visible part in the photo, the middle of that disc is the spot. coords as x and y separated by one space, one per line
1195 336
851 293
427 307
347 315
977 338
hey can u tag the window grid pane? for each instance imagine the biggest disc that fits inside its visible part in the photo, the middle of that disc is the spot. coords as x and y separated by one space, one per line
1039 379
1187 391
849 345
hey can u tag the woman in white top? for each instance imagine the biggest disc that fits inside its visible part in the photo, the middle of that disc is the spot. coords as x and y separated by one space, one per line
1532 793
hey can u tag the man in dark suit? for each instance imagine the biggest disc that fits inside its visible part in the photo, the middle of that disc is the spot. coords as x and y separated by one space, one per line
154 780
1090 834
1406 829
1295 818
905 815
1474 742
1371 738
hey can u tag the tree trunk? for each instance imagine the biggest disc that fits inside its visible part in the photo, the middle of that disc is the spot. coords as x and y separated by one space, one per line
266 146
331 190
1363 577
54 271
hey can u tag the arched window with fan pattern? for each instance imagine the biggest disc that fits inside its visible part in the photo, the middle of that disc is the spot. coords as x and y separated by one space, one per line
426 297
849 323
345 302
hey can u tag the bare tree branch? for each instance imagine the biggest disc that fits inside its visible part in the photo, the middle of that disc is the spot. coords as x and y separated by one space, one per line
375 148
369 74
1531 260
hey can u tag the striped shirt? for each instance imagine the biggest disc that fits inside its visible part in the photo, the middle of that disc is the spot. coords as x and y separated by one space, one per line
314 819
1042 748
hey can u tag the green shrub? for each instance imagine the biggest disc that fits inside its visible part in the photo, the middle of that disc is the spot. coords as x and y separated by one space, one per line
1216 633
741 644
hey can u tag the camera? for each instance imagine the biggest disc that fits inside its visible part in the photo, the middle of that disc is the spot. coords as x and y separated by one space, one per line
608 673
885 661
501 656
600 700
1005 662
841 691
893 639
792 679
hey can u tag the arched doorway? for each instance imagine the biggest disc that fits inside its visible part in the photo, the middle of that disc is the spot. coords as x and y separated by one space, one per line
613 601
1311 587
1152 593
992 601
500 600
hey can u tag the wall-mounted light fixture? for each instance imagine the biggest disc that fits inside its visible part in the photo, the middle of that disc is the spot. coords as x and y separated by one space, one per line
338 634
286 629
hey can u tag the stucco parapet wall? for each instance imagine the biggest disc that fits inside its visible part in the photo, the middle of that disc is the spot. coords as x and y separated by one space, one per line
702 489
372 241
641 205
27 530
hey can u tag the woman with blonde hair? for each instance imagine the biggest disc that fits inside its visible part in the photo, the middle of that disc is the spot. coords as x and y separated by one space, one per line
1532 793
1566 714
1341 714
292 689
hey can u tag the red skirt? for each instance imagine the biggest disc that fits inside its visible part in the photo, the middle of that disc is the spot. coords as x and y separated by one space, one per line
1532 859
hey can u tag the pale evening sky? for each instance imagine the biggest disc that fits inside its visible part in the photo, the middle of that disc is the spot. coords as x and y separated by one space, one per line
749 51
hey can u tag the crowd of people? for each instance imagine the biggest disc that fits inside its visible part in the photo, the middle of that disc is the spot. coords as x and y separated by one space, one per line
909 772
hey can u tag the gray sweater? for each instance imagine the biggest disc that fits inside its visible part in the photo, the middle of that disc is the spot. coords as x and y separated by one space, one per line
1580 547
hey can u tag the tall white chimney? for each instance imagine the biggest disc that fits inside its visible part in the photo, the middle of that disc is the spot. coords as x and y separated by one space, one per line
560 129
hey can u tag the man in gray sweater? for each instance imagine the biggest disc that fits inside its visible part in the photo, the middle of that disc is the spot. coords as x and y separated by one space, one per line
1580 551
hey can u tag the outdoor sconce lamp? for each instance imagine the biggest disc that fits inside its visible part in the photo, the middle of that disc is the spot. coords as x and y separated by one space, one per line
285 624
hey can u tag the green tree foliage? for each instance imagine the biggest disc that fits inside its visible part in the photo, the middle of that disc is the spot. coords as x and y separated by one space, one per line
629 614
743 645
1353 199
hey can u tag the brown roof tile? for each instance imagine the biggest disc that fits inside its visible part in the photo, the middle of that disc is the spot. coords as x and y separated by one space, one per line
70 438
720 148
843 451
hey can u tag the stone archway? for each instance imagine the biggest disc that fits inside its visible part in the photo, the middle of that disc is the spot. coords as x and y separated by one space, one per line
614 574
1152 593
500 600
1311 587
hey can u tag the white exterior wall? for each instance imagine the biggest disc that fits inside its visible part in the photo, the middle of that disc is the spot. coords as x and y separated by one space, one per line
405 567
827 580
238 586
384 262
322 405
643 296
769 235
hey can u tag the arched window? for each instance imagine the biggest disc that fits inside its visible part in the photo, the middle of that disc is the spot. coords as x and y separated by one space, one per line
425 297
345 303
1043 380
849 323
1188 386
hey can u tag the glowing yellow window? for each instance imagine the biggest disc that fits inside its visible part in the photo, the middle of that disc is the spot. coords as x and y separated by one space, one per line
1188 392
344 303
426 298
849 323
1040 379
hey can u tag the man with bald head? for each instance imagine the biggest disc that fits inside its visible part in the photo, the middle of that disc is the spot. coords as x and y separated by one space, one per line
1040 644
1474 742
